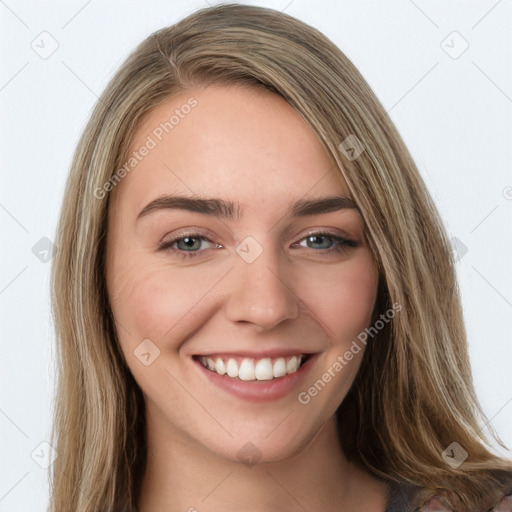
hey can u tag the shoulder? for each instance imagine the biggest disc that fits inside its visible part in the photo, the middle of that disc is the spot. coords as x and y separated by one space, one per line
436 503
403 497
504 505
400 497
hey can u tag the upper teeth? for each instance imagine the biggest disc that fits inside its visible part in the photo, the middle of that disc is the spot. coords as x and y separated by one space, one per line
250 369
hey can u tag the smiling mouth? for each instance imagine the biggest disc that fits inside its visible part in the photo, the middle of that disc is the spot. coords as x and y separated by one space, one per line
250 369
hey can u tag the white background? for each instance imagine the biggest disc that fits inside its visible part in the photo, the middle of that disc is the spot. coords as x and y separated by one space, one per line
454 114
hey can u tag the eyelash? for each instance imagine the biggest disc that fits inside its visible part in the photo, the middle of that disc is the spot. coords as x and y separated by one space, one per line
342 245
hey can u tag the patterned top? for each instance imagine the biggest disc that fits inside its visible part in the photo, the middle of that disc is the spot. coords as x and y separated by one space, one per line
400 499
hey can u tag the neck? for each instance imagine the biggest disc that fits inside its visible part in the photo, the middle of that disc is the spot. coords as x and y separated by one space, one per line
183 475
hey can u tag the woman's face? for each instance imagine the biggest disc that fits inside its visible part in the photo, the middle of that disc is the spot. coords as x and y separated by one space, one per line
258 271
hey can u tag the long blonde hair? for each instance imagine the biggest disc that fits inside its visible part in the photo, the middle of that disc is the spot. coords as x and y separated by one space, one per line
413 395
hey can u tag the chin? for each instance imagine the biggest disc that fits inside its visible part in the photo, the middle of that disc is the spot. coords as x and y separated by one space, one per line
261 449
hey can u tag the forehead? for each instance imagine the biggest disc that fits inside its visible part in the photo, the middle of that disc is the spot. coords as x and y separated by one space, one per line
242 143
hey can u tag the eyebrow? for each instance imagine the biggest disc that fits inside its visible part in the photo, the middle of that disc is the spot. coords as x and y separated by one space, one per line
232 211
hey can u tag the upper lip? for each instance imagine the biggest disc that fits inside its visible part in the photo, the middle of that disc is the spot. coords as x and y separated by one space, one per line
272 353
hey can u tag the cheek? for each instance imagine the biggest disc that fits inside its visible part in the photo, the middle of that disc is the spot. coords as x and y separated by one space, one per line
343 298
153 300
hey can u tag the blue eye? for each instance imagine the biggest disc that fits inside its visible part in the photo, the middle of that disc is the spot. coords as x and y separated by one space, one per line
328 243
189 246
189 242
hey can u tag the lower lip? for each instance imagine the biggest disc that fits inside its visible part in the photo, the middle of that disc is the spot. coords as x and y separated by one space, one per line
259 390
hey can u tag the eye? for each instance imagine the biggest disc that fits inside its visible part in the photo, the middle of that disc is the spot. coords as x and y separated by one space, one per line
327 242
191 245
187 246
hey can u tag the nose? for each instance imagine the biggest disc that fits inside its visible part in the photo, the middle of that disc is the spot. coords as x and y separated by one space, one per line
261 292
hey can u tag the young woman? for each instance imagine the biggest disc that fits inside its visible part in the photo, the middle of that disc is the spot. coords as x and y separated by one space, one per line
255 299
